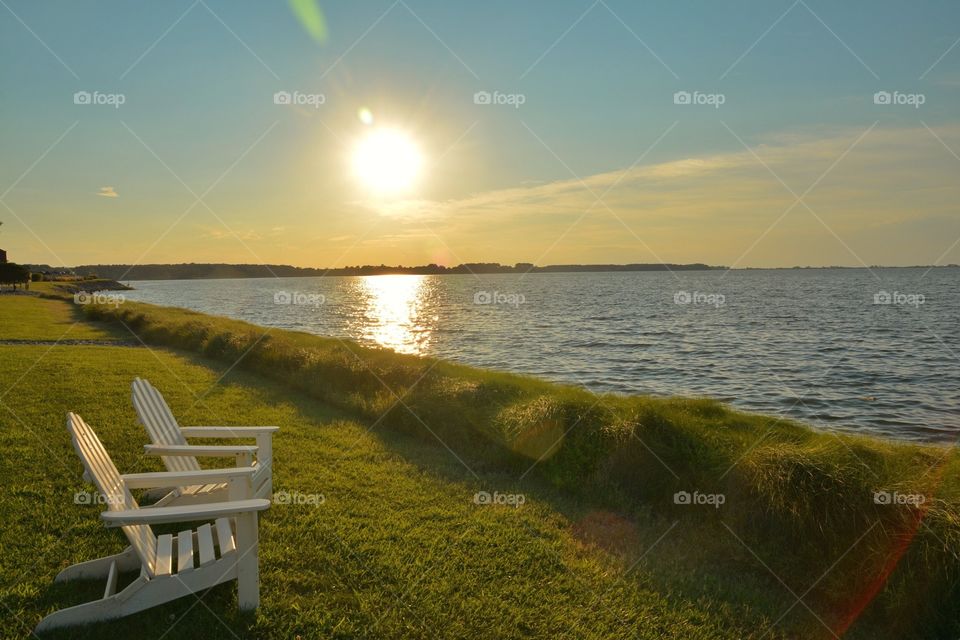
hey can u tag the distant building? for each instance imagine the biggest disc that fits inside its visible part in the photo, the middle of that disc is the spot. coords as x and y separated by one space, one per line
3 257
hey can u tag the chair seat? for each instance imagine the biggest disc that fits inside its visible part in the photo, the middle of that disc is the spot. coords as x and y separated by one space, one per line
194 548
203 489
217 491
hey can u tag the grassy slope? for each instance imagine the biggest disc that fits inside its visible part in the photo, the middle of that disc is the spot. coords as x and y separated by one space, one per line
400 550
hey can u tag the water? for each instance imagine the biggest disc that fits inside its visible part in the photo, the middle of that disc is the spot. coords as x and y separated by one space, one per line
807 344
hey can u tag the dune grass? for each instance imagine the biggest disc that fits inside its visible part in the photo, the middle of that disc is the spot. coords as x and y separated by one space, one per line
398 446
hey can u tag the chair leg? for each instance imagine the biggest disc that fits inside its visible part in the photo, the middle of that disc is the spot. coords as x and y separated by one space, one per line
127 560
248 572
80 614
263 483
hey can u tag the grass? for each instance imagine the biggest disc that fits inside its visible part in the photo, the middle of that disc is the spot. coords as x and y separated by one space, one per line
30 318
399 549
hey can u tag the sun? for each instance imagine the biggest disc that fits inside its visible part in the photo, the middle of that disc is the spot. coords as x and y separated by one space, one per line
387 161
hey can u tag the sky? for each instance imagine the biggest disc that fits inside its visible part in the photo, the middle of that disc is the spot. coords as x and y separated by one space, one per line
787 151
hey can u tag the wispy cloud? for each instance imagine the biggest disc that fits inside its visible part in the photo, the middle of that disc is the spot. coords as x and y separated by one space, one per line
108 192
713 208
223 233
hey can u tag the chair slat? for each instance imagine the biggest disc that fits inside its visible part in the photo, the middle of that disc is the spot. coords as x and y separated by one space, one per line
164 563
210 488
225 536
185 551
205 544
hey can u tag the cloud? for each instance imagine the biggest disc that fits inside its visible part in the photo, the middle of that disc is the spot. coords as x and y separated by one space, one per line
873 199
108 192
224 233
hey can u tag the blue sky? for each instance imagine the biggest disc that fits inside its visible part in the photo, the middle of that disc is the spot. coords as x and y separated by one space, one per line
597 78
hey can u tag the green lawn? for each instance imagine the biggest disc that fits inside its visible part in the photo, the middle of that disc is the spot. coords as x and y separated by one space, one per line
32 318
397 549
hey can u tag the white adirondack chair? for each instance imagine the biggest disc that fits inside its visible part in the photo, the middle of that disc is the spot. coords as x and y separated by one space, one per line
170 442
170 566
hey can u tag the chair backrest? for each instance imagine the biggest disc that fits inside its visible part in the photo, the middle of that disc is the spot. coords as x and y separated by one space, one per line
156 417
103 472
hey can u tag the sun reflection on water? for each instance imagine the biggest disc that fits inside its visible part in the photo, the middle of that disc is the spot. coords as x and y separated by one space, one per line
395 312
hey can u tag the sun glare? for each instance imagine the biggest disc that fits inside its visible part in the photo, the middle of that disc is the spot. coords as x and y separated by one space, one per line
387 161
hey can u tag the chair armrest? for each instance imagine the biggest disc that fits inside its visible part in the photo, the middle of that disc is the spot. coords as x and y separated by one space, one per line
209 451
184 478
186 513
226 432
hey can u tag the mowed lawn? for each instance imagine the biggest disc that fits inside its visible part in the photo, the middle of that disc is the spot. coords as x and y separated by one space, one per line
25 317
381 539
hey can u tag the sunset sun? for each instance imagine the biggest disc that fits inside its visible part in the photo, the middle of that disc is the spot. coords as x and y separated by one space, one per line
387 161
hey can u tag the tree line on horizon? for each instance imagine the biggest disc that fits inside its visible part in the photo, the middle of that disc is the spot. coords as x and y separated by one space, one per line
192 271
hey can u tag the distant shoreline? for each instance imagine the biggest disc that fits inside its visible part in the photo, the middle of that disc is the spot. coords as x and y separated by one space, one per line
218 271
